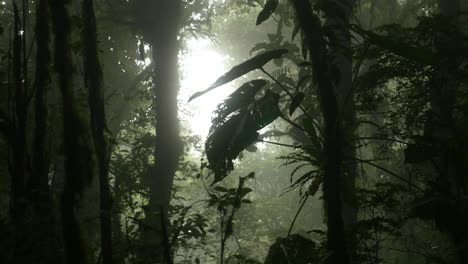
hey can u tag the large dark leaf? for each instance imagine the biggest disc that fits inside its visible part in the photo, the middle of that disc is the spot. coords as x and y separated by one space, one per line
242 97
296 102
266 12
226 142
238 132
265 110
247 66
293 249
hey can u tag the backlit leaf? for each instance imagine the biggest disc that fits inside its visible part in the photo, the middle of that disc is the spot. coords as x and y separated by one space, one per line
239 70
268 9
296 102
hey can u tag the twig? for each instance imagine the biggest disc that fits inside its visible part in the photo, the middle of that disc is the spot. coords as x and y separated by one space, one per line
297 214
391 173
292 97
281 144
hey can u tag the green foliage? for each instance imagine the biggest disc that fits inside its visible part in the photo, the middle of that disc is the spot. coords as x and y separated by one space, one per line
296 102
267 11
254 63
293 249
240 259
382 215
240 116
238 132
420 54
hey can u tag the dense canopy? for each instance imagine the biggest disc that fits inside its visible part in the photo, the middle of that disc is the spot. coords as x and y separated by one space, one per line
233 131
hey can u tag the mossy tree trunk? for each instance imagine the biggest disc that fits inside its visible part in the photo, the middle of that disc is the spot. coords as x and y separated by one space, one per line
333 132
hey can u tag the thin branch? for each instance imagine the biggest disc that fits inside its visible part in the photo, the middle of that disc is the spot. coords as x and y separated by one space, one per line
384 139
292 97
390 172
281 144
297 214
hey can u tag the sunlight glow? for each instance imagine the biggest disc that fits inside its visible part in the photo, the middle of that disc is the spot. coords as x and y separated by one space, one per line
200 67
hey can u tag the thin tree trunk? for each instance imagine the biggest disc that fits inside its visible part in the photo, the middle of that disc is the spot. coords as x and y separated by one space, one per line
93 82
160 22
38 183
18 196
76 143
342 60
18 144
333 134
443 100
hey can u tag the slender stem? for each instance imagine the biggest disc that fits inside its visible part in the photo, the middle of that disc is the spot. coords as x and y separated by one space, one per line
297 213
384 139
282 144
292 97
292 123
391 173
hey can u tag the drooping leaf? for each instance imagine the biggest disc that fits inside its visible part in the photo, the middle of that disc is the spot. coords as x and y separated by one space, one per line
225 143
245 67
242 97
220 189
265 110
314 185
268 9
237 132
296 102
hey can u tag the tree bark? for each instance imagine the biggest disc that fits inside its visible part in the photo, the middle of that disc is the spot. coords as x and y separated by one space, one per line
38 182
76 143
18 173
160 24
333 133
340 49
452 183
93 82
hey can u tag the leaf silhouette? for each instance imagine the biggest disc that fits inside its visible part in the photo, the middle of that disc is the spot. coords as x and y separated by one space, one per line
237 132
245 67
242 97
296 102
266 12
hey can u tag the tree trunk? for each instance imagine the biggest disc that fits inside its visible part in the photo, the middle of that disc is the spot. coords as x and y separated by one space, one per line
38 182
18 173
333 133
452 184
93 82
162 34
341 53
79 163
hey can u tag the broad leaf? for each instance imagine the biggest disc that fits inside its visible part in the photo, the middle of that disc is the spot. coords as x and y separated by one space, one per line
247 66
242 97
267 10
220 189
237 132
296 102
